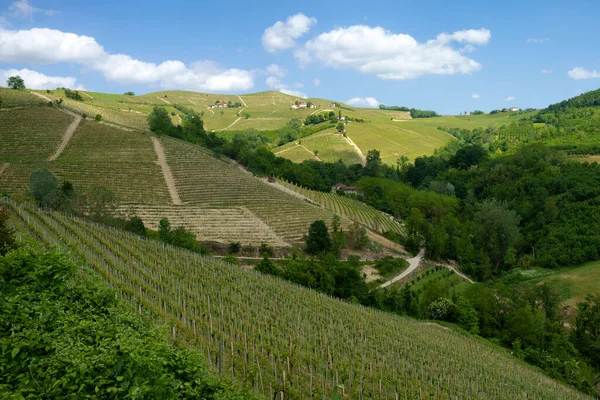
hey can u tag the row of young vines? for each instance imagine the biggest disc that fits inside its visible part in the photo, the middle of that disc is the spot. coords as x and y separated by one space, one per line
281 340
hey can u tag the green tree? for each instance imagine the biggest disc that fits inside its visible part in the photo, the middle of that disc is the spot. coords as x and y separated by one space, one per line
357 236
266 266
374 164
7 234
498 229
340 127
15 82
43 186
164 230
586 335
159 121
136 225
102 202
318 240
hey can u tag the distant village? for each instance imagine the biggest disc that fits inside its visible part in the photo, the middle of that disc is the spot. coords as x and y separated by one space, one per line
303 104
224 104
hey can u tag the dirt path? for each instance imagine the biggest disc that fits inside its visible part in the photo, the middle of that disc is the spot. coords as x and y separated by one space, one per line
3 168
362 157
240 112
160 98
41 96
162 161
243 102
232 124
68 134
319 111
273 112
457 272
413 263
192 102
123 128
287 190
88 95
210 109
385 242
312 153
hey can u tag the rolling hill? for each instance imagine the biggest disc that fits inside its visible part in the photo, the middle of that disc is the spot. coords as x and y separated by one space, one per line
393 133
279 339
152 177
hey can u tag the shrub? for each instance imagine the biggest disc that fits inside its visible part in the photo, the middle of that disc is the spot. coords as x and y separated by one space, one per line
98 117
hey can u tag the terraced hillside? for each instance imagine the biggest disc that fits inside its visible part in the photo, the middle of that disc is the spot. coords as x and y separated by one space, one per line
215 198
351 208
283 341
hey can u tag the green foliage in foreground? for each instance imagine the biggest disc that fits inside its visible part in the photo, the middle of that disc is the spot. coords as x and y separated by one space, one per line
61 337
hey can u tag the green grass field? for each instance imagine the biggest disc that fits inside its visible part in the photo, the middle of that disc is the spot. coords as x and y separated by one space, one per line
329 146
573 284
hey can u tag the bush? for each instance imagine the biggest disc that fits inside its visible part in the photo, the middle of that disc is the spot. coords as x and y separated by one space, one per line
98 117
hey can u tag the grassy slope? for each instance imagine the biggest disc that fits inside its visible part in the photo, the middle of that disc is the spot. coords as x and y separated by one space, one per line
393 133
272 326
574 283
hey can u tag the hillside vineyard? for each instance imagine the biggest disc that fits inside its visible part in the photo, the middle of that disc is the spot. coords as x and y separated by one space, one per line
269 335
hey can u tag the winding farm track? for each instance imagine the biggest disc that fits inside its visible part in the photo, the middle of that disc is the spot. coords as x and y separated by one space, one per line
192 102
160 98
162 161
243 102
88 95
413 263
68 133
232 124
363 159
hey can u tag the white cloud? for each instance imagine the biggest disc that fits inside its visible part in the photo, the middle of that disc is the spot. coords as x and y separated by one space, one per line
388 55
582 73
275 83
510 98
317 82
49 46
475 96
282 35
536 40
24 9
275 70
299 85
37 80
368 102
546 71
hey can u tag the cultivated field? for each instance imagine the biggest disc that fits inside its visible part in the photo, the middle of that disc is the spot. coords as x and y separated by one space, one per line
281 340
352 209
329 146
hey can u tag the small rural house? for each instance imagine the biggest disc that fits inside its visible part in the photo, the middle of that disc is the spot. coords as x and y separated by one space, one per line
343 188
302 104
332 105
294 107
513 109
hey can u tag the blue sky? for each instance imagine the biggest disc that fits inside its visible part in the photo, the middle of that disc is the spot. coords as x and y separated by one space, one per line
446 56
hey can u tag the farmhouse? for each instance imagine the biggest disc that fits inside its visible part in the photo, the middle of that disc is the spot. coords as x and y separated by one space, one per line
513 109
301 104
332 105
343 188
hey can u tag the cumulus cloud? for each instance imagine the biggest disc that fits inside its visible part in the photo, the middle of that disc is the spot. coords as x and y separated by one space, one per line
510 98
536 40
37 80
546 71
275 83
388 55
317 82
275 70
582 73
475 96
24 9
283 35
368 102
48 46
